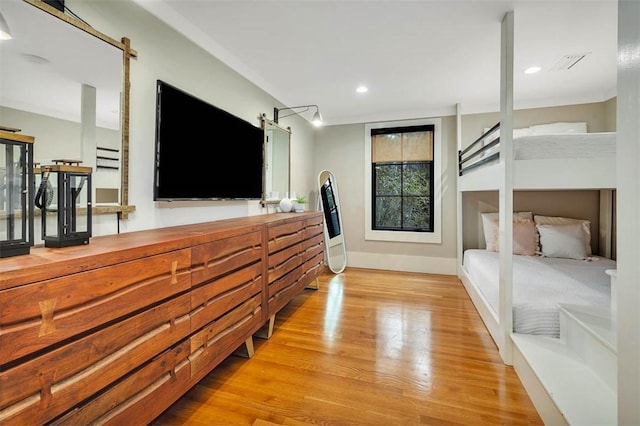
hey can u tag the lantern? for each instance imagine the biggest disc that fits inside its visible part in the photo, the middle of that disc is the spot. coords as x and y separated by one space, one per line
16 201
64 196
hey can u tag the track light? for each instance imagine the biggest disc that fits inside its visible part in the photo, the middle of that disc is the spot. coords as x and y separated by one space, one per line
316 120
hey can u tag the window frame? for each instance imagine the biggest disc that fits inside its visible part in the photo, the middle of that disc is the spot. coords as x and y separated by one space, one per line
425 237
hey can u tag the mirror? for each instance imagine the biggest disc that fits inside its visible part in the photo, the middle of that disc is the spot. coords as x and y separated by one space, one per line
329 203
277 161
64 83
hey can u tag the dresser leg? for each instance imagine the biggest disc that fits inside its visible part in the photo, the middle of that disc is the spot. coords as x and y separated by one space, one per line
267 330
315 285
246 350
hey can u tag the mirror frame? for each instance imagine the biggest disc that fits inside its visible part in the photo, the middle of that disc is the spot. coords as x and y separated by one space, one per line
266 124
123 209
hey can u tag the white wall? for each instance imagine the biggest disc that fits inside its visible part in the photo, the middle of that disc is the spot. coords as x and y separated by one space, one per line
165 54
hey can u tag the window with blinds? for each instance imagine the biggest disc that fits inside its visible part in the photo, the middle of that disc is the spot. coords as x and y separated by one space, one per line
402 170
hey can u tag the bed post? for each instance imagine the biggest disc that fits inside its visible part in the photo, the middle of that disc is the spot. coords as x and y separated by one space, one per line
606 229
505 204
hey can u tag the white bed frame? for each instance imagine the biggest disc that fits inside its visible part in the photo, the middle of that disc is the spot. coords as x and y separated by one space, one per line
505 176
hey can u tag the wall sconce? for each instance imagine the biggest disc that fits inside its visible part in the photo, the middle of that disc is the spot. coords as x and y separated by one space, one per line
5 33
16 201
64 196
316 120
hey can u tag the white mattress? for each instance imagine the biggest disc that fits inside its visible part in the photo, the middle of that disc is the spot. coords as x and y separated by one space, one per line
569 145
539 285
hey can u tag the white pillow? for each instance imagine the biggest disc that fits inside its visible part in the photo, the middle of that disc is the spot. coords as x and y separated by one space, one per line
516 134
558 128
525 239
562 241
558 220
525 131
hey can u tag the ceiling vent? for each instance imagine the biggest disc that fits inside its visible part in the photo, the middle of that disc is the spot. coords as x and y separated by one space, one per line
568 61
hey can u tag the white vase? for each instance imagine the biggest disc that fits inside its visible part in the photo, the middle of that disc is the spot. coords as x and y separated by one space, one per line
286 205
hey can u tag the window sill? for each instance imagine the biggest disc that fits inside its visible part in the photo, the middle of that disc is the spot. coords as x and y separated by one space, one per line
404 237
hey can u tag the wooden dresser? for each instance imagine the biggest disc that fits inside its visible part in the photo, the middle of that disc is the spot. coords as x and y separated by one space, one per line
115 331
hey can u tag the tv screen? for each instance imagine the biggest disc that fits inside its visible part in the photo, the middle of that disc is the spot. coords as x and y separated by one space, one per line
204 152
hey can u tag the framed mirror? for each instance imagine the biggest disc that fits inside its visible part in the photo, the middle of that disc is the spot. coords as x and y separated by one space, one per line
329 203
67 85
277 142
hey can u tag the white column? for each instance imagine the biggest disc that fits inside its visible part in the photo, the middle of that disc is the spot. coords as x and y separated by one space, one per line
505 197
88 126
459 218
628 212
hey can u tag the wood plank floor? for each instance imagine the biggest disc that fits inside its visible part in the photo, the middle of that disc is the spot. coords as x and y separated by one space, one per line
368 348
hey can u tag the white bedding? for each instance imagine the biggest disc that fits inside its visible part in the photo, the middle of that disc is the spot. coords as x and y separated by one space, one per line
570 145
539 284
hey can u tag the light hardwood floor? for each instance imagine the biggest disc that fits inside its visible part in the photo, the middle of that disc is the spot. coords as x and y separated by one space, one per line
368 348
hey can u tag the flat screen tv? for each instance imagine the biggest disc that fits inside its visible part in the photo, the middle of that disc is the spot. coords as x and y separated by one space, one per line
203 152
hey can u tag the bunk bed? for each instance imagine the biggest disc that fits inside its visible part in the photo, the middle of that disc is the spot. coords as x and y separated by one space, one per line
524 298
553 161
571 378
542 159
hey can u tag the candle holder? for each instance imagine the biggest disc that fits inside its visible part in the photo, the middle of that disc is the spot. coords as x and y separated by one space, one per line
64 197
16 201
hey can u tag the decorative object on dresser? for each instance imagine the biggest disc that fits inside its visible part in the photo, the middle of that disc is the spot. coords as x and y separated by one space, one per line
16 198
117 331
285 204
67 222
300 204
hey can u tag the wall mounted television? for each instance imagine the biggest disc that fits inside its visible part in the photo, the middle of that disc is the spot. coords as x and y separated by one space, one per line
203 152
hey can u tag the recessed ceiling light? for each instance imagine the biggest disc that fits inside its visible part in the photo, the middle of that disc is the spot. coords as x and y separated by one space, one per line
532 70
35 59
362 89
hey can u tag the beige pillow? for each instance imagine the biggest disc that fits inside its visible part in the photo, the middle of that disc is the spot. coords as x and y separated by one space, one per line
558 220
525 237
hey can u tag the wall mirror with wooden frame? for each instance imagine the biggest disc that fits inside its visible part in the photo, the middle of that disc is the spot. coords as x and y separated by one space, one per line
67 85
277 161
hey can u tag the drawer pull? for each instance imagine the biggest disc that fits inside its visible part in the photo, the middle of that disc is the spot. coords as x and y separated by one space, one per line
174 269
46 309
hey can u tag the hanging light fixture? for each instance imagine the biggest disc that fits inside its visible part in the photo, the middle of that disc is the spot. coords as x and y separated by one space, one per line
5 32
316 119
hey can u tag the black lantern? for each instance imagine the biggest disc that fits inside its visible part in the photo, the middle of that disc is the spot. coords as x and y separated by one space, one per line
16 201
64 196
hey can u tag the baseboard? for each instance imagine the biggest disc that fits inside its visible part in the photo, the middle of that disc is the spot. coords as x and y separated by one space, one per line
393 262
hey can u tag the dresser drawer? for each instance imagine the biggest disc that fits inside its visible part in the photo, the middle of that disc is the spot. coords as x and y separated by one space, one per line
38 315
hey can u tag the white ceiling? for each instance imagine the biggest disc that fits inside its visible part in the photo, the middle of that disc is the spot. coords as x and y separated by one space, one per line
418 58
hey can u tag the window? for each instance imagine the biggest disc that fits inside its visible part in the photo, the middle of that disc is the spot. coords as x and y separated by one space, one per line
403 181
401 167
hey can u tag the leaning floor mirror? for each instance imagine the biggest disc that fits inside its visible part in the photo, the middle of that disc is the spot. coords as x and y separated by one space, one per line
329 203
